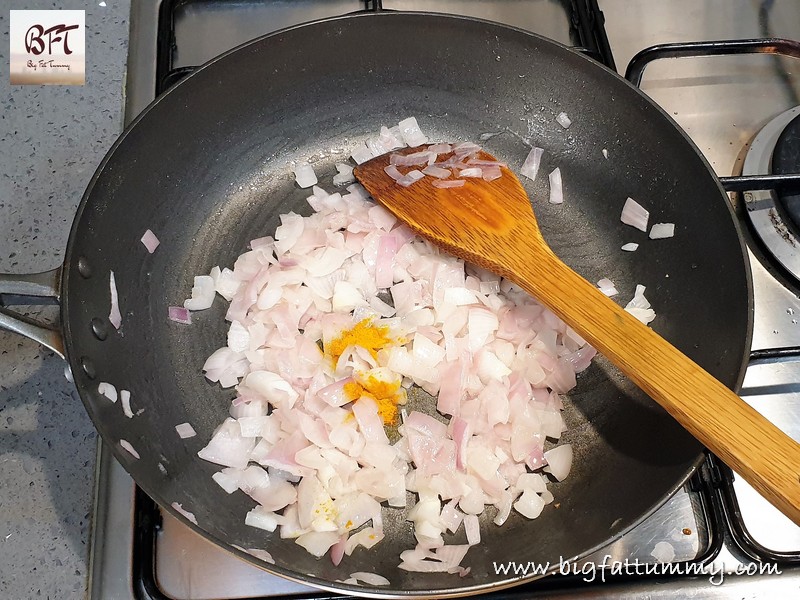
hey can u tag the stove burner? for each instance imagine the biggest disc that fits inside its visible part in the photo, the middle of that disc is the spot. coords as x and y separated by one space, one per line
786 160
776 218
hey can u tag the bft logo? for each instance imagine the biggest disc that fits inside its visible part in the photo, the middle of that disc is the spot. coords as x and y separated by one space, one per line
48 46
35 40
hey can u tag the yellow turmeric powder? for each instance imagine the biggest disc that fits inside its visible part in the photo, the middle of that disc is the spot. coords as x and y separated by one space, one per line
366 334
387 394
371 337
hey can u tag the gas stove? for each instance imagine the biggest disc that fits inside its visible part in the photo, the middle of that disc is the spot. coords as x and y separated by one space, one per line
719 536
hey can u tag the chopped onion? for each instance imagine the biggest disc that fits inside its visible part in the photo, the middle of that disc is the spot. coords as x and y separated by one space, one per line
607 287
150 241
185 430
491 173
530 168
203 293
635 215
107 390
559 461
393 172
362 154
471 172
556 189
663 552
563 120
413 159
437 172
605 153
262 519
129 448
180 314
440 148
450 183
410 178
391 139
114 317
639 306
472 529
125 399
344 175
261 555
630 247
412 135
305 176
369 578
306 439
189 516
661 231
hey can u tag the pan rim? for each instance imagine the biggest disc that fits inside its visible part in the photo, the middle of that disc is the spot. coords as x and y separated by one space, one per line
73 358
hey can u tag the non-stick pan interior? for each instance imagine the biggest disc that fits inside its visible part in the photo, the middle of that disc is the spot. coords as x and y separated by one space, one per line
208 168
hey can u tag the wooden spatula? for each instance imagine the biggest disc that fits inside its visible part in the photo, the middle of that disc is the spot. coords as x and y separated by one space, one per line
491 224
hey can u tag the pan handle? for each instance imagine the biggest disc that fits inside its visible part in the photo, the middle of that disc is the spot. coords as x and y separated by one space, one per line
36 289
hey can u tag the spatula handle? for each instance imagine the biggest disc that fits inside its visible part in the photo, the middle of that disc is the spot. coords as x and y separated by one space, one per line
762 454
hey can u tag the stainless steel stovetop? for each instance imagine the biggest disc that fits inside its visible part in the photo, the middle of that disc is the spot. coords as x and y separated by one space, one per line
722 102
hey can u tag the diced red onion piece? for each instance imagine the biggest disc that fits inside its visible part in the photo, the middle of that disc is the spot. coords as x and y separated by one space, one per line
635 215
448 183
114 317
362 154
384 265
412 135
472 529
559 461
179 314
530 168
661 231
130 449
556 188
125 399
189 516
393 172
413 159
529 504
479 162
185 430
410 178
437 172
491 173
471 172
107 390
466 147
261 555
440 148
391 138
607 287
305 176
337 551
369 578
344 175
639 306
663 552
150 241
203 292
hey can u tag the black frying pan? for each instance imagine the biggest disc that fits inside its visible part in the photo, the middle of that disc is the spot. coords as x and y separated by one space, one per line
207 167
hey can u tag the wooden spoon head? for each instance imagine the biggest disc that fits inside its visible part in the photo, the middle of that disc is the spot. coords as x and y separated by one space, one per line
482 222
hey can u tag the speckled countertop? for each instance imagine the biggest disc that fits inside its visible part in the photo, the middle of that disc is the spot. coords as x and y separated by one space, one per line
51 140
